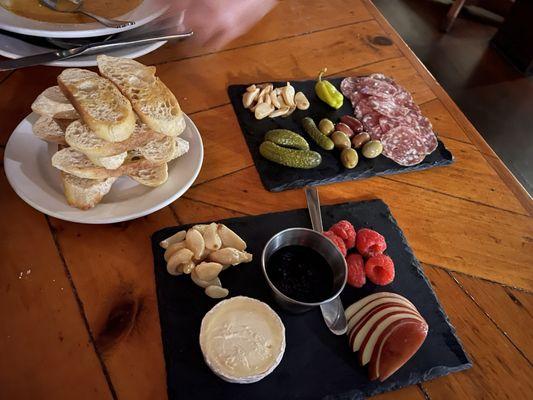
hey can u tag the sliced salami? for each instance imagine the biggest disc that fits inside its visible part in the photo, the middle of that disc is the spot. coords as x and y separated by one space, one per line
404 146
375 87
371 123
363 108
387 107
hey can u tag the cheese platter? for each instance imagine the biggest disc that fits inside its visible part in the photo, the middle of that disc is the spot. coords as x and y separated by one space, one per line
225 333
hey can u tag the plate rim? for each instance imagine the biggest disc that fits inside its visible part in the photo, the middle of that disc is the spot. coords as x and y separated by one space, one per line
77 216
93 29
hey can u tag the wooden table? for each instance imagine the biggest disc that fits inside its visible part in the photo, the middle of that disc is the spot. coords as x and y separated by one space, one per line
78 307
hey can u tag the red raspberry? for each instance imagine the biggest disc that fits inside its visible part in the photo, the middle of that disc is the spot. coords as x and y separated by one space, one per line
356 270
337 240
345 230
379 269
369 243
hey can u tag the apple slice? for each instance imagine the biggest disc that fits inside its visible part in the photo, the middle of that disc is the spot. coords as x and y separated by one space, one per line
396 345
350 311
355 318
367 324
371 339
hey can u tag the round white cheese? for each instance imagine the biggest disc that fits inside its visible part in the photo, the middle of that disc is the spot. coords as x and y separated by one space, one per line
242 339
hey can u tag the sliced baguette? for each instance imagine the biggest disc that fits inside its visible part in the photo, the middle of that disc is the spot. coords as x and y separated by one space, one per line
53 103
152 177
153 101
75 163
85 193
79 136
50 129
109 162
101 105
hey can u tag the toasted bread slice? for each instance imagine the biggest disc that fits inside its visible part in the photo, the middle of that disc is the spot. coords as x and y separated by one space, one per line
79 136
152 177
85 193
75 163
53 103
50 129
109 162
153 101
100 104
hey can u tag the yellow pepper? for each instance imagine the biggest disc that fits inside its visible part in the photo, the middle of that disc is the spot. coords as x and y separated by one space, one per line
327 92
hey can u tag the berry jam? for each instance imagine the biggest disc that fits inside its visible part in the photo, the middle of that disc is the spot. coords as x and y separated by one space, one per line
301 273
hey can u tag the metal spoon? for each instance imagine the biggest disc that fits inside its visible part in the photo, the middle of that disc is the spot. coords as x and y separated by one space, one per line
332 311
76 6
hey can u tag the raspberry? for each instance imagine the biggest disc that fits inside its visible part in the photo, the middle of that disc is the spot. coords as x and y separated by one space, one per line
379 269
356 270
370 243
345 230
337 240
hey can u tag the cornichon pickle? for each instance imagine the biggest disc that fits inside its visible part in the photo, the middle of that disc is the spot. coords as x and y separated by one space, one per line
312 130
287 138
372 149
305 159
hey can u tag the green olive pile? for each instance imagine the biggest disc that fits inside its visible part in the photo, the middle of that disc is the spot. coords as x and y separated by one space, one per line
347 136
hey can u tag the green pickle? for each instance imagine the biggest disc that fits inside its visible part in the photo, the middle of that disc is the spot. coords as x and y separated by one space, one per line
287 138
322 140
304 159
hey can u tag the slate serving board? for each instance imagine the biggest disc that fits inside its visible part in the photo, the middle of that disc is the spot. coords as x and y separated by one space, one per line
277 178
316 364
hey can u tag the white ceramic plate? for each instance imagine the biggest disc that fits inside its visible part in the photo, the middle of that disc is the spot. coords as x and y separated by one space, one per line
147 11
29 171
12 47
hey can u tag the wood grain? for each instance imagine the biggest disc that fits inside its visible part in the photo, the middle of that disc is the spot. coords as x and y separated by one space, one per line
443 230
508 308
499 371
201 82
42 329
113 271
311 16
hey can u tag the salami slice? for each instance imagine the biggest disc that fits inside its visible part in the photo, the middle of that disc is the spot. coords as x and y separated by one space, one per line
387 107
371 123
375 87
363 108
404 146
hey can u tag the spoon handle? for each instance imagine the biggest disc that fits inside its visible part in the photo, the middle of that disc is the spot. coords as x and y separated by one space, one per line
313 205
332 311
111 23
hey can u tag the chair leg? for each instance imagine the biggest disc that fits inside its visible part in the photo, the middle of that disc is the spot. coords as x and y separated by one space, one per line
453 12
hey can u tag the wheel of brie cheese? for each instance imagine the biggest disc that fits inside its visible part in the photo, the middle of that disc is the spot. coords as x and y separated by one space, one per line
242 339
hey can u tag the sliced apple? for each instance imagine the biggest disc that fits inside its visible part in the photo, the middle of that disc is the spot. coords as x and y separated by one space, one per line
395 346
366 325
355 318
371 339
355 307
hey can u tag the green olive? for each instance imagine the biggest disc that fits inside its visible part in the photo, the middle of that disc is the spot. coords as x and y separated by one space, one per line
340 140
349 158
326 126
372 149
360 139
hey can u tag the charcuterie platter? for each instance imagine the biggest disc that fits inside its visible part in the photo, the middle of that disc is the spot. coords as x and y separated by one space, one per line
395 321
376 129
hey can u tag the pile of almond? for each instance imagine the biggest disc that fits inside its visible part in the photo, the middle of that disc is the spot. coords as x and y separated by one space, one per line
266 101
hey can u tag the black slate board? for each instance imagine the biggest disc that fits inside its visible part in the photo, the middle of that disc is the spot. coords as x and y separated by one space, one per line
277 178
316 364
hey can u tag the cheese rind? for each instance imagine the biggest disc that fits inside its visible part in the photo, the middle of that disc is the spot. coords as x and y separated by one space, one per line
242 339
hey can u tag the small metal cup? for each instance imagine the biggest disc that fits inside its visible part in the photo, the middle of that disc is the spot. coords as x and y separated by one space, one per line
314 240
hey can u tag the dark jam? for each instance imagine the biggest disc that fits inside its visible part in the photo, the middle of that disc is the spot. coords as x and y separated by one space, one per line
301 273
